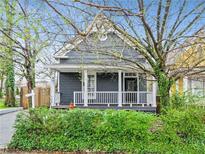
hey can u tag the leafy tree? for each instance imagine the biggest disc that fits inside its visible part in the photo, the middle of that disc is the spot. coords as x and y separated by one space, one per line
29 38
9 9
158 30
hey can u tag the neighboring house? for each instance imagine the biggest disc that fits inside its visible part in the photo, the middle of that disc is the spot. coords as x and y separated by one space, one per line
192 59
92 80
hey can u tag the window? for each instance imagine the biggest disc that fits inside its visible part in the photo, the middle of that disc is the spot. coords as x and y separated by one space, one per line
91 85
197 87
130 74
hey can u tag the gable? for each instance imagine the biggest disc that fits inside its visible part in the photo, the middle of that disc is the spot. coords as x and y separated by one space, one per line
193 56
94 50
100 25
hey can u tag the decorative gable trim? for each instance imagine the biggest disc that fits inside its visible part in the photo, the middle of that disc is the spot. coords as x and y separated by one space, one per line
100 23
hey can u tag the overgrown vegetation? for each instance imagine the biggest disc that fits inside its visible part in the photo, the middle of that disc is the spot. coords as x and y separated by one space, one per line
111 131
2 105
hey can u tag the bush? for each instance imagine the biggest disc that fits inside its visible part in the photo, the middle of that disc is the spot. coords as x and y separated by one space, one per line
80 130
109 131
182 130
1 94
182 101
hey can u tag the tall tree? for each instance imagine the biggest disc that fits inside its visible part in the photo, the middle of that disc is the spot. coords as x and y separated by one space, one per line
9 6
28 40
2 74
158 30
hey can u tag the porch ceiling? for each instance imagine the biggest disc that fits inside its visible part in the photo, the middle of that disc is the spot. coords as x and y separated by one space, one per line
79 67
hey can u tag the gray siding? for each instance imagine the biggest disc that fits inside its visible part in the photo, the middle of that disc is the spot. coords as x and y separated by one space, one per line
69 82
88 51
107 82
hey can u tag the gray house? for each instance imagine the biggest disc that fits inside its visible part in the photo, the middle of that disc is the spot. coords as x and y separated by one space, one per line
98 71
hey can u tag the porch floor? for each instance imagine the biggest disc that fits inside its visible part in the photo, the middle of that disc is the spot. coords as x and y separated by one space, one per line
136 108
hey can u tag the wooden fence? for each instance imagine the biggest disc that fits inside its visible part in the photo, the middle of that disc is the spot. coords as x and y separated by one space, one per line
42 97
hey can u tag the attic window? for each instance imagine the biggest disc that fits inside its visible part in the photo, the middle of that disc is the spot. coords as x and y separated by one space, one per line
102 37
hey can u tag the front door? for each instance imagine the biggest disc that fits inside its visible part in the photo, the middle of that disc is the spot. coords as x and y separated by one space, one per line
131 89
131 84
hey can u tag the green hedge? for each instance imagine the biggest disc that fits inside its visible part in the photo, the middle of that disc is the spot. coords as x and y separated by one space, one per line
110 131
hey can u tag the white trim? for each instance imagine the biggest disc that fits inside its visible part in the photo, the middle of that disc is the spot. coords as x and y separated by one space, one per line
79 67
99 19
95 86
123 81
68 47
110 98
95 80
154 92
85 88
185 84
52 92
119 88
138 88
60 57
58 78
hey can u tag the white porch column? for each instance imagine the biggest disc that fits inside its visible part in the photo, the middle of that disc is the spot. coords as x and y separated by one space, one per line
154 93
52 93
138 88
120 88
85 88
185 84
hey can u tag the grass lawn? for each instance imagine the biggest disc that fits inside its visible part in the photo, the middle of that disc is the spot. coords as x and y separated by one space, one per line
2 106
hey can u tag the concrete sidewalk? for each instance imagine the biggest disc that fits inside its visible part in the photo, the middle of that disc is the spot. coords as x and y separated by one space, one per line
10 110
7 121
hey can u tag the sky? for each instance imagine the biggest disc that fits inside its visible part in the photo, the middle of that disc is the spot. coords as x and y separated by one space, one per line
63 32
83 20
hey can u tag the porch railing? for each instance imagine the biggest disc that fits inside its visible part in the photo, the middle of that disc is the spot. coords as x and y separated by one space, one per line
142 98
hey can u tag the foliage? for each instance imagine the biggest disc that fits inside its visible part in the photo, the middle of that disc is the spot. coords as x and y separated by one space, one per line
164 84
185 100
2 105
17 91
10 77
1 93
182 131
110 131
165 26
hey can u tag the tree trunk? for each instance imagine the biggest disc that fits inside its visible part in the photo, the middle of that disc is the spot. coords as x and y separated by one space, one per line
9 86
1 87
164 94
10 76
164 86
30 81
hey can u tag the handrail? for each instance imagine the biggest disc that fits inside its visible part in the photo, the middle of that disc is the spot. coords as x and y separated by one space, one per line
143 98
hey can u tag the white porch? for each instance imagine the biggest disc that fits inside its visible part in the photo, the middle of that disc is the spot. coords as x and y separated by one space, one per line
112 98
127 91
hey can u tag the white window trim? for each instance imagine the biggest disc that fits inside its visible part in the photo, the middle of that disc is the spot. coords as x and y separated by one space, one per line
124 77
95 82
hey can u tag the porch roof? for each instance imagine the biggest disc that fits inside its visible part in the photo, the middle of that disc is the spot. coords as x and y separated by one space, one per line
80 67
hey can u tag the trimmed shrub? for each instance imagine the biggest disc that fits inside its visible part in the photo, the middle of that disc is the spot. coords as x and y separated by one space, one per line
110 131
81 130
